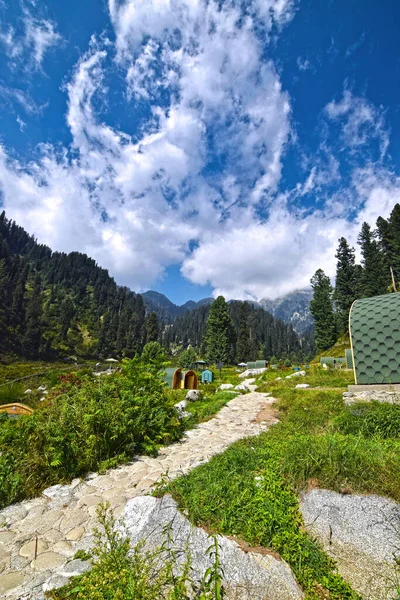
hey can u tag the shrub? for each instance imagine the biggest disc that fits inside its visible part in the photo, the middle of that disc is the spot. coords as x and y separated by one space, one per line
91 427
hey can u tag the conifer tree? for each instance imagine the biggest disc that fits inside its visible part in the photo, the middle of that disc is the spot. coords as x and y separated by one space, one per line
219 336
375 275
33 320
321 307
347 283
243 336
152 330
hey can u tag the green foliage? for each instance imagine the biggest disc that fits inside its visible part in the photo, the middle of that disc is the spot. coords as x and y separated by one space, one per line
220 335
322 310
92 426
122 573
187 358
375 277
347 288
152 328
154 353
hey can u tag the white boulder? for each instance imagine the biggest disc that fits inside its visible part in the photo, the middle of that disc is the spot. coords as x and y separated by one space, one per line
301 386
225 386
193 395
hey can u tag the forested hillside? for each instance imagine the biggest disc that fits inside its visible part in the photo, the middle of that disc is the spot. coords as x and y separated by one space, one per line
52 303
257 334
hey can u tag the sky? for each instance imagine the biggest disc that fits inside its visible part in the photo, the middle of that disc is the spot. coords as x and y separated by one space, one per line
200 147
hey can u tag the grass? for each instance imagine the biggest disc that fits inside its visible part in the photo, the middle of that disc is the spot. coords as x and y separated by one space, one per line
251 490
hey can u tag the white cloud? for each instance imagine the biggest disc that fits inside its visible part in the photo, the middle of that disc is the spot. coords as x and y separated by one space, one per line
21 123
205 169
38 36
361 122
275 257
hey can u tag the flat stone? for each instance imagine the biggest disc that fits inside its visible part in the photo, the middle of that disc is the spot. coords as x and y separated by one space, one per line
47 560
41 524
53 535
9 581
89 500
361 533
76 567
54 583
12 513
28 550
4 552
73 518
57 491
102 482
75 534
6 537
63 548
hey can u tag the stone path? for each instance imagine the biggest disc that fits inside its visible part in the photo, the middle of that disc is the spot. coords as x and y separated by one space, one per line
61 521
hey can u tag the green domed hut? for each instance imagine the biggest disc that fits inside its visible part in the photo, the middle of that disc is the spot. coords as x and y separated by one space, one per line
374 325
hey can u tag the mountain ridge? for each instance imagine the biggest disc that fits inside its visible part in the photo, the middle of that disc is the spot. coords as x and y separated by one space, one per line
293 308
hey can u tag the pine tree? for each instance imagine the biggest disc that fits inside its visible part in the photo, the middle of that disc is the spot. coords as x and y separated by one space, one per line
347 283
375 275
152 329
33 320
389 241
243 336
322 310
219 336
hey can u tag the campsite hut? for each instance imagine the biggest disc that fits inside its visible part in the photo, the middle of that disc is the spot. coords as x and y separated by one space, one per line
16 409
257 364
349 359
173 377
200 365
207 376
374 325
189 380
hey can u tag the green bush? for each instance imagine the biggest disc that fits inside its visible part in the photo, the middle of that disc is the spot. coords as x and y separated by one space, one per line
93 426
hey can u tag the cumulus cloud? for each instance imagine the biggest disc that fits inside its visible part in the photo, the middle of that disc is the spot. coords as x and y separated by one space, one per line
198 184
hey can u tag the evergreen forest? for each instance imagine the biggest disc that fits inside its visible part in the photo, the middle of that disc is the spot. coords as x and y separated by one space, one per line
378 273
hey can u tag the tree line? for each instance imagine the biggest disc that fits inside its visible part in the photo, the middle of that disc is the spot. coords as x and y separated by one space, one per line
378 273
236 332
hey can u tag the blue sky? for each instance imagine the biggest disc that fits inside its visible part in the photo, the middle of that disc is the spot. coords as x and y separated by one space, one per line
195 147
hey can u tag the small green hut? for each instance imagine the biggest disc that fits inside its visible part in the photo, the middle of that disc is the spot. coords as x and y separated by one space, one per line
374 325
172 378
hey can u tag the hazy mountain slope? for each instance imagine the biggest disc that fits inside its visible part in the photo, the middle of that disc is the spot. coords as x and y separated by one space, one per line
293 308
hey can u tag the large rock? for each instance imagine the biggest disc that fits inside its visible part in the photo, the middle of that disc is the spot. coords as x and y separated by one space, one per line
193 395
225 386
247 576
362 533
251 372
242 387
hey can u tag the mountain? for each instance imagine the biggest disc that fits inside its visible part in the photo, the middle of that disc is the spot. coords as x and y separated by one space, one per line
166 310
294 308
